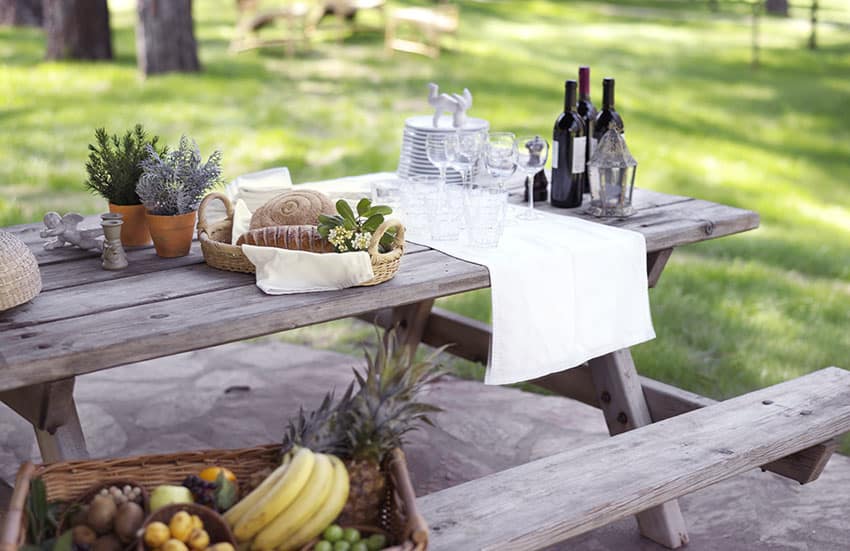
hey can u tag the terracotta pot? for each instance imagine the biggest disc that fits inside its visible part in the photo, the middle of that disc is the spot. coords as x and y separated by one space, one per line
134 232
172 235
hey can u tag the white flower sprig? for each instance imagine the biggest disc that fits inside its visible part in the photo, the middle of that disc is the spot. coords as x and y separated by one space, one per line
349 232
361 240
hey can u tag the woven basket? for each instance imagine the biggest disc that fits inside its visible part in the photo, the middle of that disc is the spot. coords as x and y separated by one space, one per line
215 239
220 253
68 481
20 280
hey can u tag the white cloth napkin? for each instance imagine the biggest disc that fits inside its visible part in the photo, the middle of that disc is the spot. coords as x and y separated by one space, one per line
241 220
256 188
283 271
564 290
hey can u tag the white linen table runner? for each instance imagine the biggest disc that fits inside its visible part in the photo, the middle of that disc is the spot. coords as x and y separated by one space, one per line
564 290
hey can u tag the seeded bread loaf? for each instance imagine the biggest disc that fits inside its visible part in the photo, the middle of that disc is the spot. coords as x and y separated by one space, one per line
299 238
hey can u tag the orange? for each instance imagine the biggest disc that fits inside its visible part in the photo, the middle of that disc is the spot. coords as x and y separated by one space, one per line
210 474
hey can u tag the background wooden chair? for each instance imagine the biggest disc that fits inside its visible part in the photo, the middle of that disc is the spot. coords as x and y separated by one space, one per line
299 18
422 28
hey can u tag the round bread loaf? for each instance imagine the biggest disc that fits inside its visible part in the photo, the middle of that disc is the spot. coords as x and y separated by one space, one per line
293 208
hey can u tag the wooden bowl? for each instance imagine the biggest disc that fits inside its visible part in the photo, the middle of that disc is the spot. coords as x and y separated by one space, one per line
214 524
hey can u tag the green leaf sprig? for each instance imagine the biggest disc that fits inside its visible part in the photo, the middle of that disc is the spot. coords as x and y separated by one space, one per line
42 518
348 231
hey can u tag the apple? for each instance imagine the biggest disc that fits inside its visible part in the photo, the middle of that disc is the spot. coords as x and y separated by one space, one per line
168 495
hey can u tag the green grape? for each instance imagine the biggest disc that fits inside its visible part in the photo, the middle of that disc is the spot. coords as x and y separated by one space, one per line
342 546
360 546
351 535
324 546
333 533
376 542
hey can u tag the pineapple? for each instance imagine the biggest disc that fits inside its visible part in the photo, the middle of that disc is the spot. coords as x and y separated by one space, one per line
381 413
362 428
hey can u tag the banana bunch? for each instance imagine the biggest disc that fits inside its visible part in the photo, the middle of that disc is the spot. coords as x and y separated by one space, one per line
293 505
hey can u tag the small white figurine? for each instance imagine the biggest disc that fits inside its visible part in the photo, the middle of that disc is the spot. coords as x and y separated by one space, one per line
456 104
64 231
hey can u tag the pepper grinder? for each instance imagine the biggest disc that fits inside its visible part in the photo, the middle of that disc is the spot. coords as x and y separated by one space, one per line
113 256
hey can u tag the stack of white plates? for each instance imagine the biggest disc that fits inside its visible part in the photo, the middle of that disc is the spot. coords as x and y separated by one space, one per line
413 160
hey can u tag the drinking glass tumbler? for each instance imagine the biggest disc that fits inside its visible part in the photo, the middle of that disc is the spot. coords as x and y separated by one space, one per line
485 209
446 213
417 198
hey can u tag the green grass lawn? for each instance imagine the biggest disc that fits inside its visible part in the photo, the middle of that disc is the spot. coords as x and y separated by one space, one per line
731 315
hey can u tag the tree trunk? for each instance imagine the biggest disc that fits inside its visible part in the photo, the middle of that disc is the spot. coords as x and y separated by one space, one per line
777 7
21 13
77 29
165 37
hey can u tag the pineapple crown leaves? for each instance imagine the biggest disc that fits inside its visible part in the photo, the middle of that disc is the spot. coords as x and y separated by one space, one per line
113 166
385 407
316 430
174 182
368 423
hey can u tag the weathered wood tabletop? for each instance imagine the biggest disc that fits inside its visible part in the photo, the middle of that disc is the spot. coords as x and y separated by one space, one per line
88 319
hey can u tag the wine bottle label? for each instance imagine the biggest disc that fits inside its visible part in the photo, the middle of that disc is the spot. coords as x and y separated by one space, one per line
555 154
579 145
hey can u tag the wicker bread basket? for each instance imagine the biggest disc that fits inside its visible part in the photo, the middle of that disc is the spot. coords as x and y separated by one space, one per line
220 253
20 280
68 481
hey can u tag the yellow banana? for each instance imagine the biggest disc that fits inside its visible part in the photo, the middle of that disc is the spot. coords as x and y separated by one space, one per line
326 514
311 498
236 512
278 498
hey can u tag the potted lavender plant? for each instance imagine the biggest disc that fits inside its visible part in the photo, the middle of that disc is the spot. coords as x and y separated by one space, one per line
171 188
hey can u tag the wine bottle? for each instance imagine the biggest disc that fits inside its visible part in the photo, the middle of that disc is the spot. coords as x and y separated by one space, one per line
568 151
607 115
540 187
587 111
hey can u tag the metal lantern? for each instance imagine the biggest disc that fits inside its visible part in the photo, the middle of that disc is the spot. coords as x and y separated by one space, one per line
612 176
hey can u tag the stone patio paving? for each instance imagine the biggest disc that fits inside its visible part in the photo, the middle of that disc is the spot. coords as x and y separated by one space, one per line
241 395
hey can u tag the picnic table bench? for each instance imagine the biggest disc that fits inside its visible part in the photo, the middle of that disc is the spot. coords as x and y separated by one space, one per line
88 319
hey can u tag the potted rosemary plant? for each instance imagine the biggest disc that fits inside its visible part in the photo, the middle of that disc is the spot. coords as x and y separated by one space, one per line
113 172
171 188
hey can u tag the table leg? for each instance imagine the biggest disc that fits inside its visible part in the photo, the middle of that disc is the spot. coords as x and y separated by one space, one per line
624 406
51 409
411 320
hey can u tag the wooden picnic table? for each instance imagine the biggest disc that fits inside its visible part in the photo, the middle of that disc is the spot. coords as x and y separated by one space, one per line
88 319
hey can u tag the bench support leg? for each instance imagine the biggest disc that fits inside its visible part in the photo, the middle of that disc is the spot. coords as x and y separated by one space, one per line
621 398
51 409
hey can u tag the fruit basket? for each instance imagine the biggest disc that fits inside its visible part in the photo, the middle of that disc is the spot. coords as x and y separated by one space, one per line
68 481
221 254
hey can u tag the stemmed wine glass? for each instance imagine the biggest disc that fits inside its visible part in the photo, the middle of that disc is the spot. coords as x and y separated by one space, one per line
436 147
532 154
500 157
464 148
